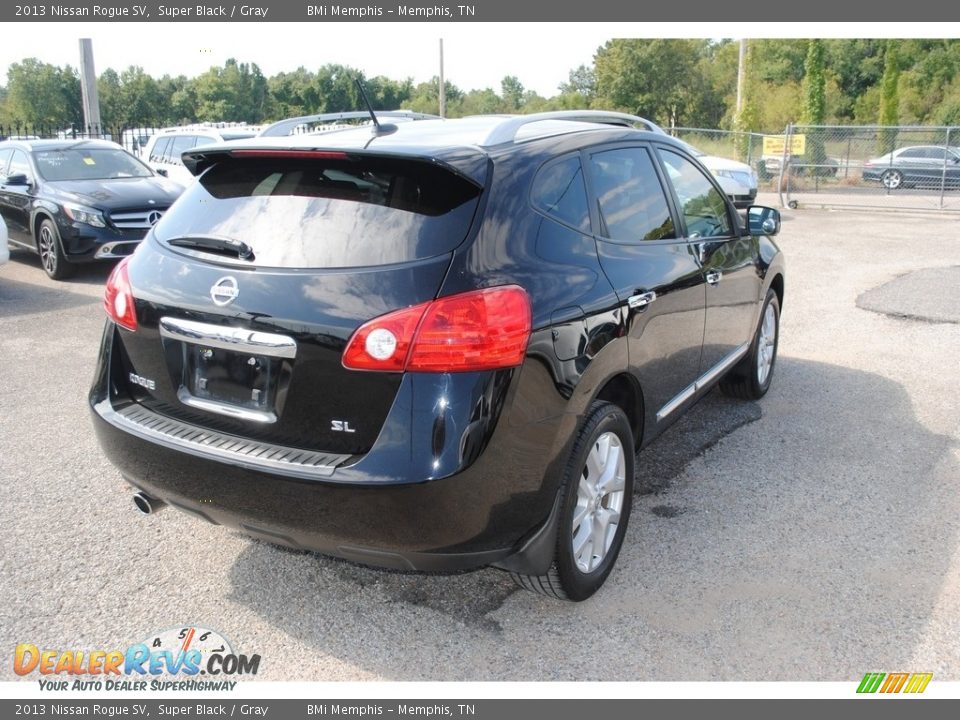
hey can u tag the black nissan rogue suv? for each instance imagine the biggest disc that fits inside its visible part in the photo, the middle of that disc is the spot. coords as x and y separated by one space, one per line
433 346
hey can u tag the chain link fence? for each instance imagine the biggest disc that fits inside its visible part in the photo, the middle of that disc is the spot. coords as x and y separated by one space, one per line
857 166
879 167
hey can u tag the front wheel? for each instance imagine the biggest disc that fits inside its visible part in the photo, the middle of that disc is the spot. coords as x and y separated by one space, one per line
55 263
892 179
750 378
595 507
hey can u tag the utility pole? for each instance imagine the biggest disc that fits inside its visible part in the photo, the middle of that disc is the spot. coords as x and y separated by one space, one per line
741 76
88 87
443 87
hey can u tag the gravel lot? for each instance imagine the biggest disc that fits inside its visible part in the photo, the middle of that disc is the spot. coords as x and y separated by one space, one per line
814 535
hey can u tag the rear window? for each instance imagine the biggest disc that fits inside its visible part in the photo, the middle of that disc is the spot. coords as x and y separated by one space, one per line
329 213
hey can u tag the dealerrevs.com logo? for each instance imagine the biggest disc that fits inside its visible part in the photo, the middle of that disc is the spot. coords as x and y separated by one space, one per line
182 658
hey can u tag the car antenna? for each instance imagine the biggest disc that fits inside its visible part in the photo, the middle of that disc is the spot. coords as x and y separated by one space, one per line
379 129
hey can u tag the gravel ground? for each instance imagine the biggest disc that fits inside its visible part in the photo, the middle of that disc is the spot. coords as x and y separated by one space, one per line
813 535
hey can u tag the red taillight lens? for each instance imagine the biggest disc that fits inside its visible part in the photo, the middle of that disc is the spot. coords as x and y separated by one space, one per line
118 297
479 330
369 348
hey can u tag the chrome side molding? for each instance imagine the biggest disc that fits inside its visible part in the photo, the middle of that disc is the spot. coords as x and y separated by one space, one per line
703 381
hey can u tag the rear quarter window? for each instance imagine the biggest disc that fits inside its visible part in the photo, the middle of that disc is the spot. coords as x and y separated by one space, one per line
558 190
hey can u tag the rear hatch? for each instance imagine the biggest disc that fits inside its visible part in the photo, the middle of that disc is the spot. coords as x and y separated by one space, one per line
250 286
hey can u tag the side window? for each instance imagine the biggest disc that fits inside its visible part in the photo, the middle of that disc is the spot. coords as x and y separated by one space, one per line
158 154
558 190
913 153
20 164
704 209
181 144
630 199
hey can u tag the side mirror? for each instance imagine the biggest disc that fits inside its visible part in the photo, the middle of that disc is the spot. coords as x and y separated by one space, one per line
161 172
762 220
16 179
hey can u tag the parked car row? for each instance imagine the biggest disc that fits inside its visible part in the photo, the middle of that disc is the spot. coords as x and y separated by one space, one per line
78 201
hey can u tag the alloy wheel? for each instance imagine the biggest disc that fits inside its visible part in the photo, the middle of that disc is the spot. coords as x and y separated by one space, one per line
600 496
48 249
766 344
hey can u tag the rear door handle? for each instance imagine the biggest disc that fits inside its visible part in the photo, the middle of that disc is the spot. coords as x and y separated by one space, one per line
714 276
638 302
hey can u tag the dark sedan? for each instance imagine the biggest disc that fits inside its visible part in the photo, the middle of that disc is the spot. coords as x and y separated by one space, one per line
918 165
75 201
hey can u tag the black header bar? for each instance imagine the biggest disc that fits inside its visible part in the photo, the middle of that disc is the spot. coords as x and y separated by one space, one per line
763 15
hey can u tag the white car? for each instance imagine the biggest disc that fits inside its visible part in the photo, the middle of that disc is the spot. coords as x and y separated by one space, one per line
737 179
4 249
164 149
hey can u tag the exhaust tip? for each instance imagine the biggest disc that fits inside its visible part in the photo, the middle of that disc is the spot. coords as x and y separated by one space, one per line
146 504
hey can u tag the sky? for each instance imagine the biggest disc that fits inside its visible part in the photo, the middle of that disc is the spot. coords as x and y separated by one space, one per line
476 55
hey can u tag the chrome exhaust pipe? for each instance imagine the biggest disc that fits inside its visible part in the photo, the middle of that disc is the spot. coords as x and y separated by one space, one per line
146 504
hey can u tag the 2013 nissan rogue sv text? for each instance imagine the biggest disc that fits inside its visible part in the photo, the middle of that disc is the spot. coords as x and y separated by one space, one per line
435 345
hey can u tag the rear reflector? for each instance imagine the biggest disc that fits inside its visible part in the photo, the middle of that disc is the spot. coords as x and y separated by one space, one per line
118 297
479 330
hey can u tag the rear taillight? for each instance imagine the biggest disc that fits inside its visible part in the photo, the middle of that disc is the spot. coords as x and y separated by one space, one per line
118 297
479 330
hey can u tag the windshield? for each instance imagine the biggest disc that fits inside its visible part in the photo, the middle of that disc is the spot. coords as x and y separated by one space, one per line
88 163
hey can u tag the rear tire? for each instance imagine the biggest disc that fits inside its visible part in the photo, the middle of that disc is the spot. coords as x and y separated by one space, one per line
597 494
55 263
751 377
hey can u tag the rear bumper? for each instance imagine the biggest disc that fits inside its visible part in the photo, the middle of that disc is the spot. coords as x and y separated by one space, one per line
447 486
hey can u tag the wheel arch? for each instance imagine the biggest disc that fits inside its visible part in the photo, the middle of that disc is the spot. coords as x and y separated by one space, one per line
624 391
38 218
776 284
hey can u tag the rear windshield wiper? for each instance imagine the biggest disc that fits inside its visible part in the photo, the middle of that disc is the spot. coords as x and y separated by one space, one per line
218 245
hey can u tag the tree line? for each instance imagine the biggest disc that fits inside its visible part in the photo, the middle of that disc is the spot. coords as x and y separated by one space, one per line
689 83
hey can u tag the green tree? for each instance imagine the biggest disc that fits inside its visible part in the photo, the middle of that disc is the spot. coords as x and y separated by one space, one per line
582 82
814 85
814 103
511 91
294 93
180 100
110 94
234 93
889 98
658 79
425 97
43 96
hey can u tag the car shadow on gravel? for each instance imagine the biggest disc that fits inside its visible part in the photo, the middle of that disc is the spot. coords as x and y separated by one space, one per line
20 298
812 541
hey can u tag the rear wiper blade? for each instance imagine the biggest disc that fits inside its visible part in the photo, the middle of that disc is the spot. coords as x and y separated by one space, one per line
219 245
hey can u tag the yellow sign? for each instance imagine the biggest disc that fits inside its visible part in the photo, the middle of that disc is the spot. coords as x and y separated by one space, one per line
773 144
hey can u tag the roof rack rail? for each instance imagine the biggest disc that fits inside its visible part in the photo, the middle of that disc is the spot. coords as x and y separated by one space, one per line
282 128
507 131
